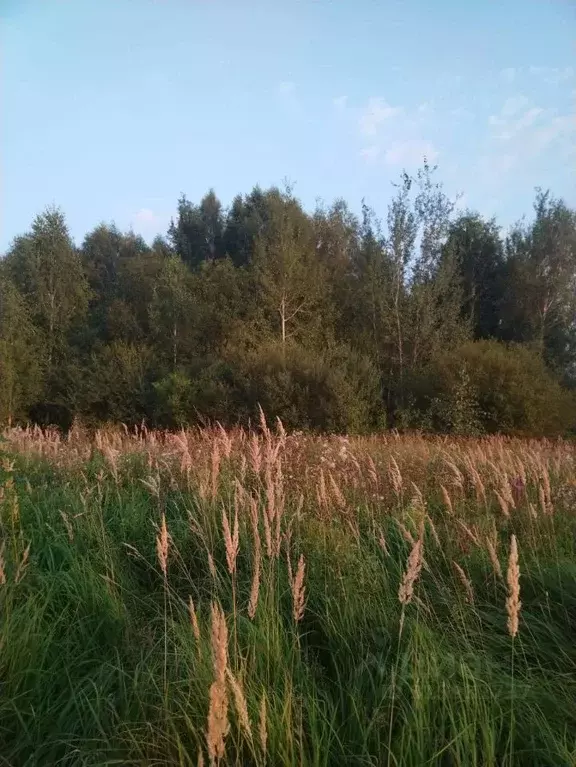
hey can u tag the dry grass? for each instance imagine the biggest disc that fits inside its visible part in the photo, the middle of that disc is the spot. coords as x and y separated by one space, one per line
413 568
275 550
218 725
513 602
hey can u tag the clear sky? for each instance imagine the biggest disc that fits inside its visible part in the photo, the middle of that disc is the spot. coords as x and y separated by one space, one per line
112 108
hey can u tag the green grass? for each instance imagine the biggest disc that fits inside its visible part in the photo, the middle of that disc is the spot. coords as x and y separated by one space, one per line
99 664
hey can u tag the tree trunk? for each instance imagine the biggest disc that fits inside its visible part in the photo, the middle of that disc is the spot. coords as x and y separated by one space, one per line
283 320
399 338
174 345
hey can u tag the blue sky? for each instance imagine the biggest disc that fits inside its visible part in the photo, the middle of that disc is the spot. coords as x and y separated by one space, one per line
112 108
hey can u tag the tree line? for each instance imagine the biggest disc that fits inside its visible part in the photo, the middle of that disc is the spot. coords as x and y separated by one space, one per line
429 318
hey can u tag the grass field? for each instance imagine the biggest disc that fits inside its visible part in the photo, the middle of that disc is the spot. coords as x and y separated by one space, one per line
285 599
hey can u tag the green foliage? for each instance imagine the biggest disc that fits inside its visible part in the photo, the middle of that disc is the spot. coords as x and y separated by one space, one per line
197 234
488 386
326 319
20 373
172 312
337 391
100 663
119 385
289 277
47 269
540 291
477 248
173 399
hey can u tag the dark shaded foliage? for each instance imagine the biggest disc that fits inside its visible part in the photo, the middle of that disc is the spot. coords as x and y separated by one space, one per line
329 321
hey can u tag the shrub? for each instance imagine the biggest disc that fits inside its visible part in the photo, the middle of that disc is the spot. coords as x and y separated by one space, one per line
337 391
489 386
119 383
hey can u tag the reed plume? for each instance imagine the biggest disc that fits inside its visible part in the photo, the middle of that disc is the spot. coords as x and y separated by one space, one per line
298 591
544 504
255 588
212 566
262 725
493 554
215 468
465 582
162 547
406 534
219 642
447 500
193 619
218 725
382 542
503 503
232 540
22 565
513 603
433 530
395 476
240 703
413 568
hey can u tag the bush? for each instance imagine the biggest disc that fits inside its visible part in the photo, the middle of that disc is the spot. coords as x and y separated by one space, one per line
119 383
491 387
173 395
202 393
337 391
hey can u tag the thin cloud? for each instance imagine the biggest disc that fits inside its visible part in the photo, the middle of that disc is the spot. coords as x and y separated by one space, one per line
377 112
514 104
393 135
520 135
449 81
370 153
462 112
508 74
286 88
552 75
340 103
286 94
511 125
145 217
503 163
147 222
560 127
426 108
410 153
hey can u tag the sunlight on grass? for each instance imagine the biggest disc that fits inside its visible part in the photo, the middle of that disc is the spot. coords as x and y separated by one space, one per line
224 597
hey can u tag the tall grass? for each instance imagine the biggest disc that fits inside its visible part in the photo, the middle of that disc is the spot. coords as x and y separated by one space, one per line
231 598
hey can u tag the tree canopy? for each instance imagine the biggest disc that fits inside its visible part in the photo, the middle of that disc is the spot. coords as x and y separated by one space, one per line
427 318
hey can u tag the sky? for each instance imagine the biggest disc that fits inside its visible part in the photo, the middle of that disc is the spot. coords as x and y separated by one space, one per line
111 109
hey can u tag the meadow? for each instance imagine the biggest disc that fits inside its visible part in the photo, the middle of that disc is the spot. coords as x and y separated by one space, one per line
262 598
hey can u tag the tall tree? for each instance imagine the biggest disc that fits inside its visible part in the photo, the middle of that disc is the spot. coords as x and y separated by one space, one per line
121 271
239 232
434 284
402 233
172 312
478 250
48 270
419 288
20 372
289 275
540 305
324 317
337 242
212 220
197 235
224 298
